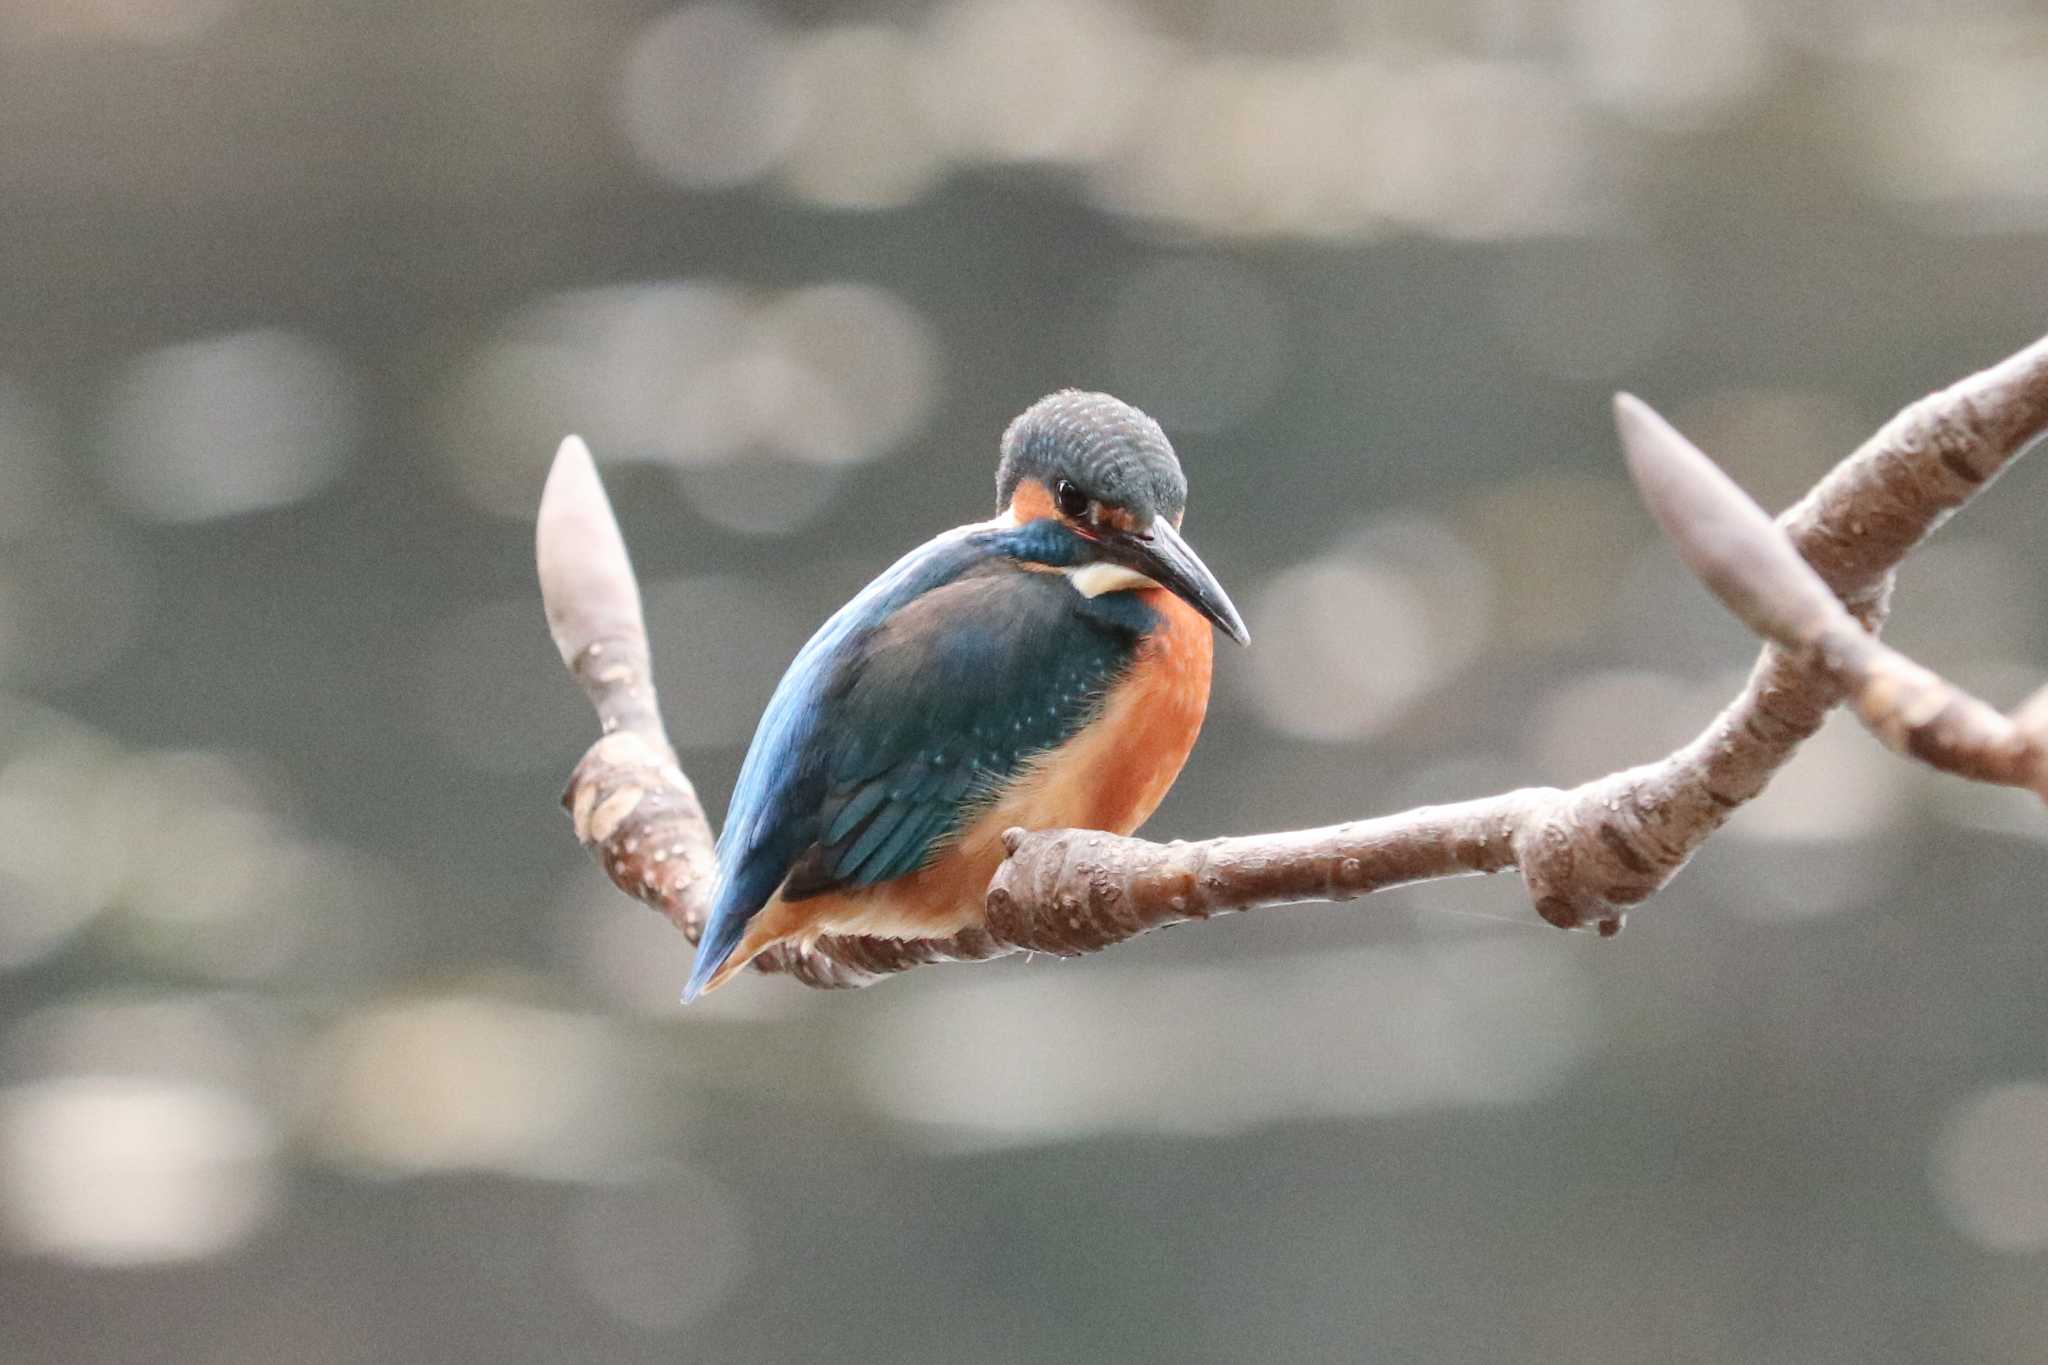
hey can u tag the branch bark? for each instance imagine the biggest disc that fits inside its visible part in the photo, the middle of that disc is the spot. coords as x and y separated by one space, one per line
1815 584
1753 567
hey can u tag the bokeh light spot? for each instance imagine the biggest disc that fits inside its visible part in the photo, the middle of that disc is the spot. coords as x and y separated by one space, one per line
862 144
769 496
61 860
227 425
1366 1031
846 371
709 95
118 1170
1032 80
1348 640
694 375
473 1081
1957 130
1672 67
1344 646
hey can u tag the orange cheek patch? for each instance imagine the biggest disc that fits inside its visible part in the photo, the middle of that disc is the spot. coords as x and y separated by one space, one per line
1031 502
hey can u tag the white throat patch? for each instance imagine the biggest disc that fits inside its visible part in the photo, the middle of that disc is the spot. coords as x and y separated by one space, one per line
1093 580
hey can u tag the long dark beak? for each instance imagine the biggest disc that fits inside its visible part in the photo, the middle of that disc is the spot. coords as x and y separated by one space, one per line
1161 555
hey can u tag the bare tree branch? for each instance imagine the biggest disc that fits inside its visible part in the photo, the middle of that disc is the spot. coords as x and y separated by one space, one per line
1815 584
1750 564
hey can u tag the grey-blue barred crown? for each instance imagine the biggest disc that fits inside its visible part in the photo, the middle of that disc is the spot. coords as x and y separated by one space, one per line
1110 450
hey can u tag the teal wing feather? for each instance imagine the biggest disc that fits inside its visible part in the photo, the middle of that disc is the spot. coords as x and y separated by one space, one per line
943 707
917 701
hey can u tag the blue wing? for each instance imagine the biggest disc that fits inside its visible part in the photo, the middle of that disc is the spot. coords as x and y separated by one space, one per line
911 707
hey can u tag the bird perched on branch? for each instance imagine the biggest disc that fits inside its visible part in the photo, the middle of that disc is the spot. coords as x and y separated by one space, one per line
1047 669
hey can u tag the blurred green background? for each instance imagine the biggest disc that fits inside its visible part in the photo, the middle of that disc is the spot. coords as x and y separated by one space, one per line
320 1040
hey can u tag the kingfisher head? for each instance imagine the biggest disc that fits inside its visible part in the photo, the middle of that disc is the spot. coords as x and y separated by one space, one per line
1101 478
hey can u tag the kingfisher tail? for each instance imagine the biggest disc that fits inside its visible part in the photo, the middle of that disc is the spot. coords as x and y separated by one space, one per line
721 936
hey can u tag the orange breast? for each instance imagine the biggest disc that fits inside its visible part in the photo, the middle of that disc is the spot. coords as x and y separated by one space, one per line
1111 776
1116 772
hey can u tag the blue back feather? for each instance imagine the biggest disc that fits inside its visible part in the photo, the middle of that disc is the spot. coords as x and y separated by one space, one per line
910 708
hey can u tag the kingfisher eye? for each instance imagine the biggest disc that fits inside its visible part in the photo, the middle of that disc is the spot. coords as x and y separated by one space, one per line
1072 501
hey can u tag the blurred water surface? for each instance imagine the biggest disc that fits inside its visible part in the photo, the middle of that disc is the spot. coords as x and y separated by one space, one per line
321 1042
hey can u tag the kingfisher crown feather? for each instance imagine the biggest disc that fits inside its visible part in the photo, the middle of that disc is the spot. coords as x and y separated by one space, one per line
1102 442
1045 669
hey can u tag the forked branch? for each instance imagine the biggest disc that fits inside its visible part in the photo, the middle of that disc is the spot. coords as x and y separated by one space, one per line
1814 584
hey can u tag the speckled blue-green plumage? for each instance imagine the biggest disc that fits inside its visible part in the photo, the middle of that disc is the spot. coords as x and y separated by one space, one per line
910 709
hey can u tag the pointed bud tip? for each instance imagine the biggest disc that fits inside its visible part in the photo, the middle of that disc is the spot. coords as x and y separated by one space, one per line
571 477
572 461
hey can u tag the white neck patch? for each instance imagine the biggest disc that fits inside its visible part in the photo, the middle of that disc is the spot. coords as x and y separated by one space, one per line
1093 580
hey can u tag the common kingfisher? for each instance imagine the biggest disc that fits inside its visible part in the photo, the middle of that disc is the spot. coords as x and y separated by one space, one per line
1046 669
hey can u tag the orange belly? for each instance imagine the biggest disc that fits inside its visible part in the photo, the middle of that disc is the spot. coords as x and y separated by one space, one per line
1111 776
